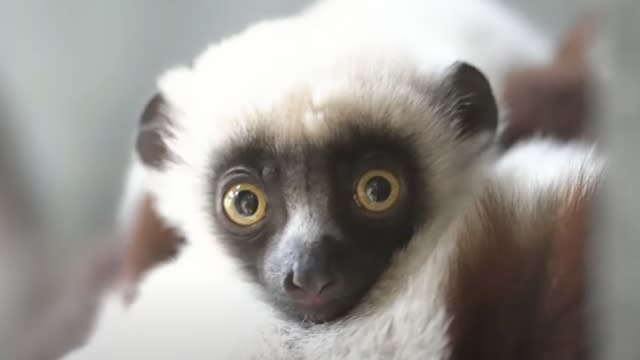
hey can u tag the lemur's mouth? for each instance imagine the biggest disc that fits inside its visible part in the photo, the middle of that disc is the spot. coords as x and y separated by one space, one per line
321 309
325 310
315 301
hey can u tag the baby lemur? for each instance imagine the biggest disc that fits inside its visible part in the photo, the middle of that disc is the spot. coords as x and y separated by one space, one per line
336 180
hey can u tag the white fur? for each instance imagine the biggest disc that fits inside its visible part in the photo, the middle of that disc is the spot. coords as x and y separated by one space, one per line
547 165
197 306
192 315
134 192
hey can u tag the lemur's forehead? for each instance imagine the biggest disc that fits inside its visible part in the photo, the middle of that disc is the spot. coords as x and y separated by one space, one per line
313 110
342 121
230 87
294 96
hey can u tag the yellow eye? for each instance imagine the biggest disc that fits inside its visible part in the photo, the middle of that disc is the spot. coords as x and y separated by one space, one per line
245 204
377 190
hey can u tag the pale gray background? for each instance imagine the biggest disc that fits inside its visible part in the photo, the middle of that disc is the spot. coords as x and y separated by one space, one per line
78 73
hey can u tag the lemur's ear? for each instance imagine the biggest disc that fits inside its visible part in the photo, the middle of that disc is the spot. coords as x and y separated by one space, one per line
152 132
471 98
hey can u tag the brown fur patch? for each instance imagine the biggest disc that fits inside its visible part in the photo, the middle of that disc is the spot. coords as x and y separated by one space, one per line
151 243
553 99
517 288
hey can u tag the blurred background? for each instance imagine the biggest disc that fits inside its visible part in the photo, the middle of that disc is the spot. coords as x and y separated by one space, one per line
74 76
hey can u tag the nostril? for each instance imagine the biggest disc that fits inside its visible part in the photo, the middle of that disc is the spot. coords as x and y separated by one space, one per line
309 283
289 283
298 279
324 286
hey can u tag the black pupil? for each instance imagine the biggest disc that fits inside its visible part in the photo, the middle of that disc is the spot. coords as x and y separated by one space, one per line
246 203
378 189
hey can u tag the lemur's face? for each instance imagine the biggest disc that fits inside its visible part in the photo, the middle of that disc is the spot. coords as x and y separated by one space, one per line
316 216
315 225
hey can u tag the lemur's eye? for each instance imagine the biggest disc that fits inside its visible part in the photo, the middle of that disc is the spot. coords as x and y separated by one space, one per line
377 190
245 204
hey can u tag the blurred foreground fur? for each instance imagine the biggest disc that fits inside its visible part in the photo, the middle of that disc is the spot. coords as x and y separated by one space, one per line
552 100
20 224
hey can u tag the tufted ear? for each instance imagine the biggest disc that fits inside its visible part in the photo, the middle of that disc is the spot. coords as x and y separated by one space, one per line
153 131
467 93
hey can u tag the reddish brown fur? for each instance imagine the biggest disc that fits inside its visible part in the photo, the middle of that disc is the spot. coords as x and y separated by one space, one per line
554 99
151 243
518 293
562 329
